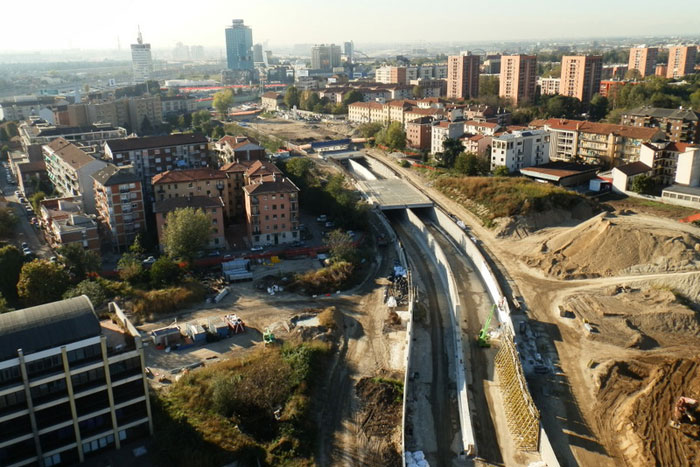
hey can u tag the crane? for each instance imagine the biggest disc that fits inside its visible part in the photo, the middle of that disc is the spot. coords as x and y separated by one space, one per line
483 338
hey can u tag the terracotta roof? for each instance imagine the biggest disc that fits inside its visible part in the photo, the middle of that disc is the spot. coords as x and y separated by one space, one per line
602 128
558 169
70 153
37 166
258 168
367 105
539 123
483 124
236 166
270 184
187 175
634 168
233 144
401 103
170 204
272 95
130 144
428 112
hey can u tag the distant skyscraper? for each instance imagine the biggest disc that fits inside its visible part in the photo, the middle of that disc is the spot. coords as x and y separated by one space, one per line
643 59
580 76
141 62
349 51
463 76
325 57
258 54
681 61
197 52
518 78
239 46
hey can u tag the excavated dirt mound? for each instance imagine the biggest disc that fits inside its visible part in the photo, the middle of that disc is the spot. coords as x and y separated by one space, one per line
380 417
636 318
635 400
604 247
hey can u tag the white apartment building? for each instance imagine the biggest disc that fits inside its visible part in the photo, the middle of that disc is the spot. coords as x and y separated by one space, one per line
520 149
548 86
443 130
672 162
70 171
141 61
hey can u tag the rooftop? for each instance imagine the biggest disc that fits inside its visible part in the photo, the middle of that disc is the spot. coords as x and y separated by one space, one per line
114 175
130 144
684 190
657 112
626 131
270 184
633 168
556 170
187 175
69 153
47 326
170 204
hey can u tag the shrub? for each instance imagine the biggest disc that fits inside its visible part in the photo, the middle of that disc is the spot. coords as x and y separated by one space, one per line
168 300
93 289
324 280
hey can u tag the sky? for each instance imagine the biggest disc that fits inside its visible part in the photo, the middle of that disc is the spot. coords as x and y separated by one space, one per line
87 24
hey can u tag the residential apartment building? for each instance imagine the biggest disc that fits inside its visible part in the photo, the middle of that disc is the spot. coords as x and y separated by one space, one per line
643 59
580 76
30 175
518 78
679 125
419 133
20 108
68 392
363 112
212 206
520 149
672 163
135 113
463 76
155 154
185 183
442 131
272 210
64 222
481 128
325 57
70 171
549 86
681 61
235 181
173 105
271 101
119 202
36 132
392 75
238 148
477 144
597 143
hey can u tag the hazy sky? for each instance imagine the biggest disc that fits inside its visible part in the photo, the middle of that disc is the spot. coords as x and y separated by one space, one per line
61 24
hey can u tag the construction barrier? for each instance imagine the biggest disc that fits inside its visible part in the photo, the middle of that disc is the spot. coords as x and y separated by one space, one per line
114 308
445 273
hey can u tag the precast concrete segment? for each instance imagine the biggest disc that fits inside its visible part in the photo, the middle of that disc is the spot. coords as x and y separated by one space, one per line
393 194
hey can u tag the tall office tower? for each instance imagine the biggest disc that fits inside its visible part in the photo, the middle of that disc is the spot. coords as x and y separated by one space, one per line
681 61
518 78
325 57
643 59
580 76
349 51
239 46
258 54
141 62
463 76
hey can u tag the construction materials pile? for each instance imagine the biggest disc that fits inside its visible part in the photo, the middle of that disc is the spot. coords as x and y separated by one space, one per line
603 247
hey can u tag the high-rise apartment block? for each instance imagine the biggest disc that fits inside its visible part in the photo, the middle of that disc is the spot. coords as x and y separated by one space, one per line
325 57
681 61
463 76
349 49
643 59
141 61
580 76
391 75
518 78
239 46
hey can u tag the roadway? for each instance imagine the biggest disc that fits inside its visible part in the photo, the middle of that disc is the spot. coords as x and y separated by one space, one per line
24 231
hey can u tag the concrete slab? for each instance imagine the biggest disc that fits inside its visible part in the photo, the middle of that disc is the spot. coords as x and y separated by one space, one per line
394 194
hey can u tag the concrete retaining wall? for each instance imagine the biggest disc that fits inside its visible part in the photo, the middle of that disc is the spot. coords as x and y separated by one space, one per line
445 272
114 308
361 170
380 168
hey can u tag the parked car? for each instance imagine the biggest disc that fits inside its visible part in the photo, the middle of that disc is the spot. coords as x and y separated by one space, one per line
329 224
149 261
322 218
27 252
24 245
256 248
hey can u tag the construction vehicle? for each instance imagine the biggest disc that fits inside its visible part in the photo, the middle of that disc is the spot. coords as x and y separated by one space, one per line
684 410
484 339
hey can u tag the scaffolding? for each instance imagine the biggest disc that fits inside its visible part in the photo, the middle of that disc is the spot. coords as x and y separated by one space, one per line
522 415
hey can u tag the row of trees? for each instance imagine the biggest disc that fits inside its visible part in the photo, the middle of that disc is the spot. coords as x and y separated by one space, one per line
391 136
311 101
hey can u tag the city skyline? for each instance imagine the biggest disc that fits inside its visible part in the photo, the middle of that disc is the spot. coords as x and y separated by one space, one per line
273 22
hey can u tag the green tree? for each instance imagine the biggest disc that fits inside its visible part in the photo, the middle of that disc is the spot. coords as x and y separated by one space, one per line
563 107
136 246
341 246
146 126
598 108
695 100
130 268
292 97
3 134
218 132
642 184
35 199
186 232
93 289
501 171
309 100
633 75
468 164
369 130
11 261
451 148
200 118
393 136
4 307
299 166
41 281
417 92
8 220
222 101
78 261
164 272
489 86
352 97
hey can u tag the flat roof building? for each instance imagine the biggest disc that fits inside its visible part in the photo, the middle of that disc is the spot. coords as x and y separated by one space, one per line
580 76
518 78
643 59
681 61
463 76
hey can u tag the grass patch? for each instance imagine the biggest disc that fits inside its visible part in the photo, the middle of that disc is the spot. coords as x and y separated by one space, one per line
325 280
330 318
506 196
396 385
648 206
251 409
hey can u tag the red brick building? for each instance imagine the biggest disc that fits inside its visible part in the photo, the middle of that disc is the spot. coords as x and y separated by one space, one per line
418 133
272 210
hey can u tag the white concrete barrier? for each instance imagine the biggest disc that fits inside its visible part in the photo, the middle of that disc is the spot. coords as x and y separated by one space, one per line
380 168
445 272
363 172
